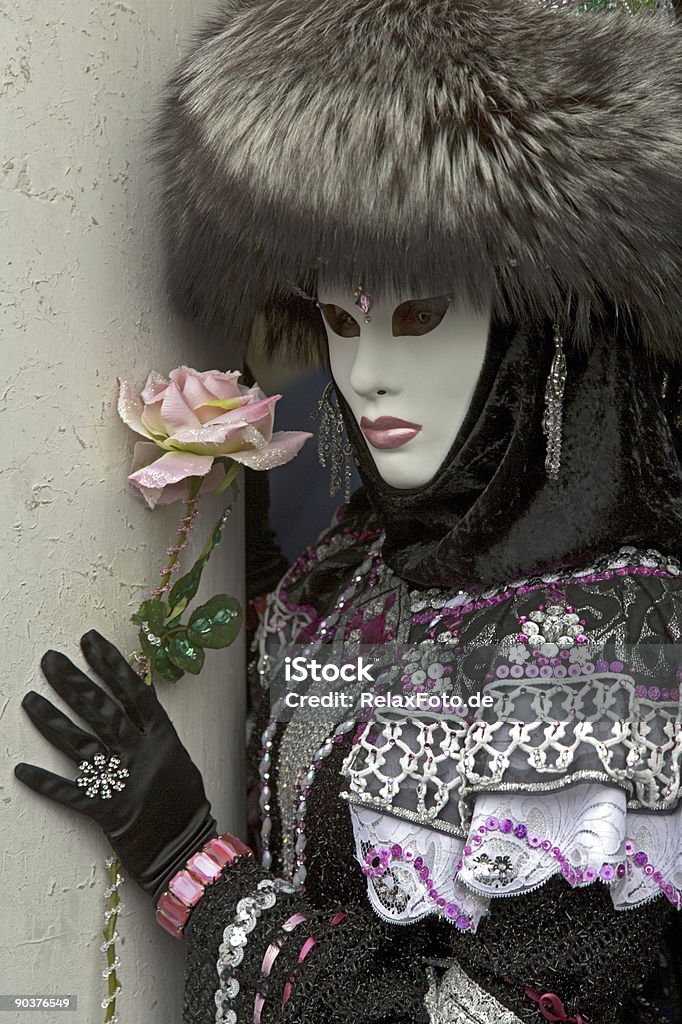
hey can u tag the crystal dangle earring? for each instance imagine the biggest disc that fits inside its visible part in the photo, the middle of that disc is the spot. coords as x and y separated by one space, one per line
554 411
332 443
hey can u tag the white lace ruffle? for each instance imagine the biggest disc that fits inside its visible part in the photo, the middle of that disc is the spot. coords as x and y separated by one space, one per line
660 837
411 870
516 843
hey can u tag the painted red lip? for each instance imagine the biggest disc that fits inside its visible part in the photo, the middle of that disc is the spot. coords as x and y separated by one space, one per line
388 431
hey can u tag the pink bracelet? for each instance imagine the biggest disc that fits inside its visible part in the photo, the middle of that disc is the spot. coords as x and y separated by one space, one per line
271 954
305 949
188 885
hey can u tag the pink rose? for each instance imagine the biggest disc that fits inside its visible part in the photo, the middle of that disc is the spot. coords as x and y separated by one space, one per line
196 418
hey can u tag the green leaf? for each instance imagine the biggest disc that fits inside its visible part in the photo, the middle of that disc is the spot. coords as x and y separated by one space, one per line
217 623
184 590
154 612
185 653
164 667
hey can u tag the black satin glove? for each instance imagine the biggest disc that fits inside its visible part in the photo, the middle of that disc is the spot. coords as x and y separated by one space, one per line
161 815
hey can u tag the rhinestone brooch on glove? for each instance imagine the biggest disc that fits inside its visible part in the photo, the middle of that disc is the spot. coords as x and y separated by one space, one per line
102 778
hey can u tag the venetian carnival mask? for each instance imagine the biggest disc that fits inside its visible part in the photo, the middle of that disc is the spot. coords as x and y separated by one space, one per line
407 367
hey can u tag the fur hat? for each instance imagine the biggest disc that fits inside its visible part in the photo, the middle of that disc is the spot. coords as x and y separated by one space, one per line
431 145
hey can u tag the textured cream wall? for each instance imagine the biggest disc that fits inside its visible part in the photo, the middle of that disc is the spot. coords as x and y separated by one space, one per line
81 302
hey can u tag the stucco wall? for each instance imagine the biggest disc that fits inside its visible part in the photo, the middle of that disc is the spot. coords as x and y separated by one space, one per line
82 302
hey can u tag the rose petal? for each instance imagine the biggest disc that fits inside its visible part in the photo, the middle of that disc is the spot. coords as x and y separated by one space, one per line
213 408
260 413
253 437
220 385
209 434
154 388
227 404
255 393
175 410
249 413
153 421
171 468
178 492
130 407
151 495
144 453
221 436
224 385
189 384
208 412
264 424
281 448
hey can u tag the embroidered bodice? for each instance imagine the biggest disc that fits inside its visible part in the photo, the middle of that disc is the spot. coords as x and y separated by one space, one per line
562 772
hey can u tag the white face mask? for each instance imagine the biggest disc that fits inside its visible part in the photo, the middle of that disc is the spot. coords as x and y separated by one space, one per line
408 375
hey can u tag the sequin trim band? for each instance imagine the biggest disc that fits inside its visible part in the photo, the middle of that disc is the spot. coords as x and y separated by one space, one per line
608 872
235 937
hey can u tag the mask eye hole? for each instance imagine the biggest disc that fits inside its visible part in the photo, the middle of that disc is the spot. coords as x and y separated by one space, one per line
339 320
419 316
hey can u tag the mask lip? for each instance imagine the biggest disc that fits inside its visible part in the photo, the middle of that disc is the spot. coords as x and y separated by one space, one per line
498 336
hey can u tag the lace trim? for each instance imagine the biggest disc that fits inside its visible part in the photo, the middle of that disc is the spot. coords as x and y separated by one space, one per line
516 844
654 846
411 872
538 735
626 558
585 834
457 998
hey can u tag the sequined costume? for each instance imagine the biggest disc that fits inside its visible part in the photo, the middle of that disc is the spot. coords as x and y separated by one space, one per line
524 851
366 968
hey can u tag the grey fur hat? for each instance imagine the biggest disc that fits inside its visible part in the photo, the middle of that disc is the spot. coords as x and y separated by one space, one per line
429 145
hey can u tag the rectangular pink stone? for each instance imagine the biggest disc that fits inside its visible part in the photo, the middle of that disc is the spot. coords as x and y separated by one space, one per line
186 888
204 867
171 914
226 848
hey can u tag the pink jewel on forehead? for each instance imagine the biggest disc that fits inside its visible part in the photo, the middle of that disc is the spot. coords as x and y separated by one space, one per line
364 301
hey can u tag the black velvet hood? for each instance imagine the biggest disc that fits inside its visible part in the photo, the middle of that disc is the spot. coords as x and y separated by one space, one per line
491 513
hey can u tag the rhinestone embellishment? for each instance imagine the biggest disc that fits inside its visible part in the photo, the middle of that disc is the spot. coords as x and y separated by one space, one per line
100 778
364 302
551 629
